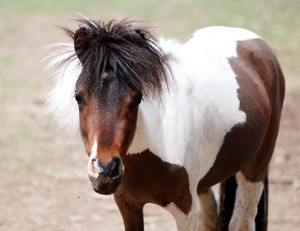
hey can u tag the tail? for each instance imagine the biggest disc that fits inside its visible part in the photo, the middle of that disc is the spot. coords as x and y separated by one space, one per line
227 200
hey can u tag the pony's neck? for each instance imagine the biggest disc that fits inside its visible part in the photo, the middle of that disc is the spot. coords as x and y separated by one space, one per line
149 128
149 132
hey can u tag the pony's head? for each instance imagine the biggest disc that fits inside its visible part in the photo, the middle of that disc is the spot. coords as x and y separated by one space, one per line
120 65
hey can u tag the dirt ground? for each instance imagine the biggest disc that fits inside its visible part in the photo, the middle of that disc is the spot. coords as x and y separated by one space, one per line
43 181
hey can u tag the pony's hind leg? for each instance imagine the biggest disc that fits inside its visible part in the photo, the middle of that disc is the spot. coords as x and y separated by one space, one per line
208 215
248 195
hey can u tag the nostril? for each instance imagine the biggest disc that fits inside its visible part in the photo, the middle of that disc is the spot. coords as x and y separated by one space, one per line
113 169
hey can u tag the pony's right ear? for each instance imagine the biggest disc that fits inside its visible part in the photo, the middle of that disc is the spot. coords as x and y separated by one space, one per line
81 42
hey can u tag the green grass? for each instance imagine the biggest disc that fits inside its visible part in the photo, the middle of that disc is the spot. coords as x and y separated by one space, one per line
178 16
276 20
22 137
37 6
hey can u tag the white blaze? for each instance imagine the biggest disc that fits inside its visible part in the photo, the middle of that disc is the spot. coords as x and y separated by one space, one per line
92 167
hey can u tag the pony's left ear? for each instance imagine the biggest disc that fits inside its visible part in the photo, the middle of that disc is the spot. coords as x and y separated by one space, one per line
81 43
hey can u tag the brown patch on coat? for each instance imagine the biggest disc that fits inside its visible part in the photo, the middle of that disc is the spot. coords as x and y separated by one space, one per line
148 179
249 146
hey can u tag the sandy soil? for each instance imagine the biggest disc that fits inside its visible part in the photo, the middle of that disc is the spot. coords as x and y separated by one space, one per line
43 182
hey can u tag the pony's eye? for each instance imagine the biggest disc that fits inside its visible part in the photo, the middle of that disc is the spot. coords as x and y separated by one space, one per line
136 101
79 98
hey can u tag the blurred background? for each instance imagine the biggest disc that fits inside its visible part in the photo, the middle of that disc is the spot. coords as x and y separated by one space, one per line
43 181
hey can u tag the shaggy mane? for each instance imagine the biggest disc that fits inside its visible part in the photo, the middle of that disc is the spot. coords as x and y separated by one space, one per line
125 47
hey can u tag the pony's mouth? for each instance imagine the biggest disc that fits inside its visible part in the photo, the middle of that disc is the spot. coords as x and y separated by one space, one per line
105 185
105 180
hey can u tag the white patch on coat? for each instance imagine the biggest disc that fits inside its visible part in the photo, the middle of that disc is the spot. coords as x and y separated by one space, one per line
248 195
169 45
188 126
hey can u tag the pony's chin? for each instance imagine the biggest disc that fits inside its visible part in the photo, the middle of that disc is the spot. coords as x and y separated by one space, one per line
104 192
105 185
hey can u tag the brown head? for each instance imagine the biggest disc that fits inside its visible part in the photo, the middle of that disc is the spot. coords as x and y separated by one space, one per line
120 65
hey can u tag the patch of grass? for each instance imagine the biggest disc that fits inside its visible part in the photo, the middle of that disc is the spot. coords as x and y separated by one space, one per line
31 164
37 6
57 170
10 28
2 114
20 138
6 59
261 16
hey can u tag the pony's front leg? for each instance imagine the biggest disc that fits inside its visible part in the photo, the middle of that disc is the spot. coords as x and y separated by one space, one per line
132 214
208 215
202 216
248 195
184 222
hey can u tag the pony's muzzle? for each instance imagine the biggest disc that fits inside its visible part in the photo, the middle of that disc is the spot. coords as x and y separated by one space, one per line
106 179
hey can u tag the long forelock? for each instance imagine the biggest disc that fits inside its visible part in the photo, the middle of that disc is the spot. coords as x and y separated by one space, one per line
128 48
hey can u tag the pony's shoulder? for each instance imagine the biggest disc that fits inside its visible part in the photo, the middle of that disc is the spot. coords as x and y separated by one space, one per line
225 32
169 45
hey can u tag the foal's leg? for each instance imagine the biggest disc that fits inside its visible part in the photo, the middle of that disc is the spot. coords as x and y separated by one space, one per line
132 214
208 214
248 195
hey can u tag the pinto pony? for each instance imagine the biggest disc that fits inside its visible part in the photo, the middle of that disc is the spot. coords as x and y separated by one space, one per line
164 121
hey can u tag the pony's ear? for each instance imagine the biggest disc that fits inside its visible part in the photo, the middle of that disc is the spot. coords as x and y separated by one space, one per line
81 42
